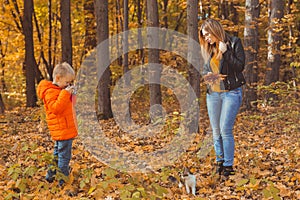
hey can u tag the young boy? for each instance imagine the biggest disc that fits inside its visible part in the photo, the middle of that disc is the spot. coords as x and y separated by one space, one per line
60 116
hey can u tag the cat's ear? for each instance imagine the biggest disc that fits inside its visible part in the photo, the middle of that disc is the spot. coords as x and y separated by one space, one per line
186 171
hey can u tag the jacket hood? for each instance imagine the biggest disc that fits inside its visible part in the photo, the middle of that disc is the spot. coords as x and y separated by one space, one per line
43 86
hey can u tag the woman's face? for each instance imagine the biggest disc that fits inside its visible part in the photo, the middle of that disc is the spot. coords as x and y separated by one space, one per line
209 38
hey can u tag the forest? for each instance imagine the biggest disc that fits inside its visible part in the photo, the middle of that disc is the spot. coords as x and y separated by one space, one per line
141 106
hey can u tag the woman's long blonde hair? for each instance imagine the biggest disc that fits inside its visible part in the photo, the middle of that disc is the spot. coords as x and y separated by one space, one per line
215 29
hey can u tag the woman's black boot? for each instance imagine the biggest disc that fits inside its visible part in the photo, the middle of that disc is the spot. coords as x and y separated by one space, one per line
228 170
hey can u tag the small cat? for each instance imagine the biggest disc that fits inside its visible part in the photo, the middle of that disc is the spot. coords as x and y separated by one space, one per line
189 181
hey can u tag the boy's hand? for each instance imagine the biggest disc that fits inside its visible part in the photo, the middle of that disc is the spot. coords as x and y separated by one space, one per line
70 88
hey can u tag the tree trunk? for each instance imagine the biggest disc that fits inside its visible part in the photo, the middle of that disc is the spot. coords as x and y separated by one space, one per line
104 102
50 69
251 42
119 22
165 21
140 41
223 9
30 63
56 35
90 29
292 73
153 58
66 37
2 65
140 24
2 107
234 15
125 43
276 8
192 31
38 74
291 35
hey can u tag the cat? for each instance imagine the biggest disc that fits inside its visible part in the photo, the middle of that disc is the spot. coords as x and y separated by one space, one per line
187 179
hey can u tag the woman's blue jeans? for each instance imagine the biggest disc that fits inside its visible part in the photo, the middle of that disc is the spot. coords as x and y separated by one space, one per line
222 110
62 156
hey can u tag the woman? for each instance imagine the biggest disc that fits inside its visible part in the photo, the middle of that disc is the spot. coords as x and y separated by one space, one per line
224 60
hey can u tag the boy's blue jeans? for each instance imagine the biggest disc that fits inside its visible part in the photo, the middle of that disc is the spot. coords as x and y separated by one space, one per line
62 156
222 110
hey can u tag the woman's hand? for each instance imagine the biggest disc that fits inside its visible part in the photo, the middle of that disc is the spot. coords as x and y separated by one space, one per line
222 47
212 78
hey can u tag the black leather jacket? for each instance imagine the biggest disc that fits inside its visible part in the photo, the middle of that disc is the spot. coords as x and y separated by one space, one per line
232 64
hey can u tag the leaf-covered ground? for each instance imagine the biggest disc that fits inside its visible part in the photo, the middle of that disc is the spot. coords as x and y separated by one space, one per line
267 162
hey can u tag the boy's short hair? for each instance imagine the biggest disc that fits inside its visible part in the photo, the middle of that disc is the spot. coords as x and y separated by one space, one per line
63 69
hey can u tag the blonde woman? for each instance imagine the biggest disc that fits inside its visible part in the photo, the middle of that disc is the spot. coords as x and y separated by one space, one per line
224 60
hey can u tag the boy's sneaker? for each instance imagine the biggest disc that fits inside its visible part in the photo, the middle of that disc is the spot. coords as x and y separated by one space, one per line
50 177
219 168
61 183
228 171
49 180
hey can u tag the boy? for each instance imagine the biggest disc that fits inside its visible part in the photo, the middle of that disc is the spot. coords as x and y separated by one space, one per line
60 117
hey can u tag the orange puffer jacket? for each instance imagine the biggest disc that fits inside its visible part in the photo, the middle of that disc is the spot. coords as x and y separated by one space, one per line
60 115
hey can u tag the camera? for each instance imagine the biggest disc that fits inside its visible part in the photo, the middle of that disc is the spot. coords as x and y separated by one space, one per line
74 91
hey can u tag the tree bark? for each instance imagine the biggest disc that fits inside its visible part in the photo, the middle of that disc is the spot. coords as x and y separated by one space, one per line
223 11
90 28
276 8
119 23
291 34
125 42
274 41
104 102
234 15
153 58
192 30
165 21
38 74
56 35
2 107
50 66
140 24
292 73
251 42
30 63
2 65
66 43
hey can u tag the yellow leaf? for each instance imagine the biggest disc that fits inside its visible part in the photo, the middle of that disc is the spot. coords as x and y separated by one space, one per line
261 131
284 192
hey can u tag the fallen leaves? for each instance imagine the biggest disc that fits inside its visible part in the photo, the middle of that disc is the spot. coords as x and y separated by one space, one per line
267 163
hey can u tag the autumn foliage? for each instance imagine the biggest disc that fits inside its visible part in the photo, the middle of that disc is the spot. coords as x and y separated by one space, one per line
267 160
